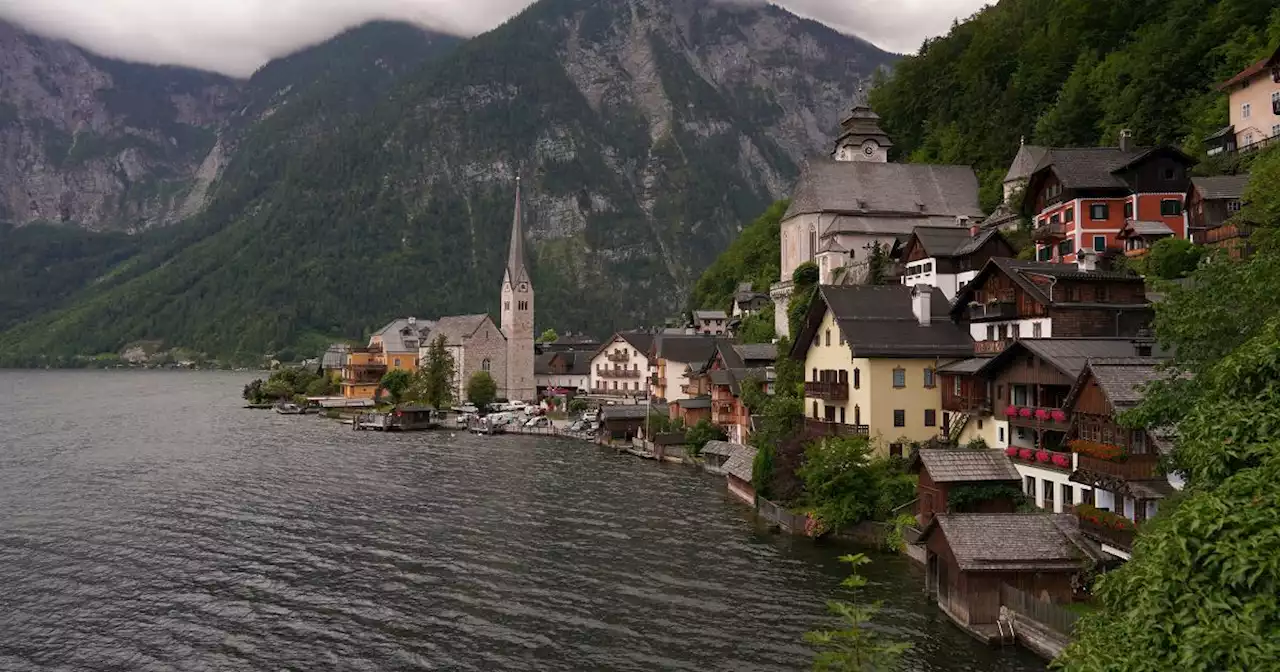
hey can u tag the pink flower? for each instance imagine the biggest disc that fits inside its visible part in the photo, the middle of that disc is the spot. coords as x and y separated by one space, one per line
1042 414
1061 460
1024 412
1011 411
1058 415
1025 453
1042 456
1011 451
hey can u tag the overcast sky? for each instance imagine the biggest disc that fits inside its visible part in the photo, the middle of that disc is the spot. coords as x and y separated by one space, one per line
237 36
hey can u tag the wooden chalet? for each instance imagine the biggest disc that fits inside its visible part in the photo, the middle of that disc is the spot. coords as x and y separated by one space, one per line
624 422
969 557
944 472
1213 204
720 380
1011 299
946 256
1122 465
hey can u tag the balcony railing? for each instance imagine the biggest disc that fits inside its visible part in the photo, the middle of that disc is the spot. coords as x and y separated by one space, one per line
1224 233
1121 539
621 356
814 427
1055 419
1049 233
1000 310
618 373
966 403
1132 468
827 391
992 347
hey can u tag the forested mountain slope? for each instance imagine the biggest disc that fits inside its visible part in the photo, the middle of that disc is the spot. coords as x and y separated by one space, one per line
646 131
1071 72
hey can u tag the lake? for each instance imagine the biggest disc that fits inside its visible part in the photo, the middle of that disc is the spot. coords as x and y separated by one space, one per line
148 522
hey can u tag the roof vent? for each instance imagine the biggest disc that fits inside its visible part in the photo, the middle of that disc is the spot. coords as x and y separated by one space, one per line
1087 262
1126 140
413 321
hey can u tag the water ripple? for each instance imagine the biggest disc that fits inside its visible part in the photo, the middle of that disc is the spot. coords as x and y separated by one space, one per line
149 523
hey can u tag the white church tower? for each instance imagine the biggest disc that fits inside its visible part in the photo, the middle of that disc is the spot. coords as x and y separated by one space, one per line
517 314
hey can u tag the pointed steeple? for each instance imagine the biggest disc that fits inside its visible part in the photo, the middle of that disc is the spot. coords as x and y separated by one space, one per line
517 271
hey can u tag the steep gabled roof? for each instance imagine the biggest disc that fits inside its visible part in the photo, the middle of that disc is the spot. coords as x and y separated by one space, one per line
684 349
878 321
1221 188
1025 273
755 354
864 187
517 270
1069 355
1121 379
941 241
1025 162
1094 168
455 328
1014 541
1253 70
965 466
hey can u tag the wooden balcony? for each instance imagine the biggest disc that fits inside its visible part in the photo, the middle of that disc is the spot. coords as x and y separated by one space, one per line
1049 233
815 428
993 347
622 356
1133 468
618 373
997 311
827 391
1121 539
966 403
1040 418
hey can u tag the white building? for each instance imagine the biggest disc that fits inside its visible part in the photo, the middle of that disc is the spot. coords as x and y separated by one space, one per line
948 257
710 322
674 357
842 207
621 367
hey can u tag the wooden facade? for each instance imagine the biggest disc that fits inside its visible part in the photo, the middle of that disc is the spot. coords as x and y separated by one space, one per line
965 393
932 498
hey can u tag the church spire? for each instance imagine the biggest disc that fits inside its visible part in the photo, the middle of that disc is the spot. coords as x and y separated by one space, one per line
516 269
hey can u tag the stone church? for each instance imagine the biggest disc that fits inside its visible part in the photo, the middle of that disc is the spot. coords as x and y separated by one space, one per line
517 315
843 205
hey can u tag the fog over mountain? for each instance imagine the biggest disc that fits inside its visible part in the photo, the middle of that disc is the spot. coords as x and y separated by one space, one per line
236 37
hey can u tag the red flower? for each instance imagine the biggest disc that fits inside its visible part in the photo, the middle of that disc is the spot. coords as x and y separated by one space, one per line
1011 411
1025 453
1011 451
1042 414
1024 412
1058 415
1042 456
1061 460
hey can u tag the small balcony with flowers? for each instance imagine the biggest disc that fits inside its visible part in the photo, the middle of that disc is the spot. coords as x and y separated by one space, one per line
1106 527
1128 482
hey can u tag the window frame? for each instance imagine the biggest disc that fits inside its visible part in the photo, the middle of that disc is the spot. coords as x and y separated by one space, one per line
930 417
899 417
1174 208
899 374
930 378
1094 208
1099 247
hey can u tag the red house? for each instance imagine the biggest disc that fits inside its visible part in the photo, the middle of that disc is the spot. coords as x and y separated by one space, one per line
1082 198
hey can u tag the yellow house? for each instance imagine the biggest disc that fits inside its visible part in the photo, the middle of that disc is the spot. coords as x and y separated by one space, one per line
871 355
391 348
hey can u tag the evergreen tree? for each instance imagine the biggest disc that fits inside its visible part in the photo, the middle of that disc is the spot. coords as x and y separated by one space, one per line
433 383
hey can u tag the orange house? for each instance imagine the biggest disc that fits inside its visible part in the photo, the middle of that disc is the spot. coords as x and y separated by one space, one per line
391 348
1082 198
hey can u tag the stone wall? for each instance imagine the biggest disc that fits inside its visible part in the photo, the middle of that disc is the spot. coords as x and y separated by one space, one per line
487 343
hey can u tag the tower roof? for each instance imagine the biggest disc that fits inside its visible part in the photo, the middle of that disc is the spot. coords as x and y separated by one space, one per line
517 270
862 124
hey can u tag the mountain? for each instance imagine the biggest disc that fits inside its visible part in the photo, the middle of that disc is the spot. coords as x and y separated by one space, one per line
1071 73
647 132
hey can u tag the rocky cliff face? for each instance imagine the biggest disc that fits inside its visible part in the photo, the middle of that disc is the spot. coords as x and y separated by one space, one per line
647 132
97 143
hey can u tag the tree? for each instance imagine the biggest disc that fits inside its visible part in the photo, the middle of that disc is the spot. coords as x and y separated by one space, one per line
395 383
481 389
1173 258
697 436
758 327
854 647
877 264
433 383
549 336
839 482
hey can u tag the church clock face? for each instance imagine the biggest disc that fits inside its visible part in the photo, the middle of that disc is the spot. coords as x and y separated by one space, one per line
868 148
524 286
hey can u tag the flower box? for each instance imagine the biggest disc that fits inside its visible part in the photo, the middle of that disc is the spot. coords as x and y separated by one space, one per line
1011 451
1058 415
1042 456
1011 411
1060 460
1101 451
1042 414
1024 412
1026 454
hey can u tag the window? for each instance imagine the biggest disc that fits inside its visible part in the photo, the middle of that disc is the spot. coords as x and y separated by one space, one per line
899 379
484 366
1099 243
991 332
840 334
1170 174
1001 432
397 362
1068 496
615 385
813 242
1128 209
1275 101
895 450
930 417
1234 206
842 415
956 388
899 418
1099 211
1036 330
1047 489
1070 216
1275 131
1055 220
815 410
1030 483
506 305
1247 140
1017 331
1104 294
1170 207
815 375
979 424
857 379
1066 247
930 378
1246 110
857 415
1045 253
1086 496
828 338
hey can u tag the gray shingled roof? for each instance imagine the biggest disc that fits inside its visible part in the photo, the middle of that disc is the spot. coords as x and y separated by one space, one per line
1025 162
1089 167
723 448
895 225
741 463
1140 228
1123 379
393 334
1014 541
862 187
1000 217
965 366
1023 271
757 352
1225 187
966 466
694 403
942 241
877 321
579 363
684 349
624 412
455 328
710 315
1070 355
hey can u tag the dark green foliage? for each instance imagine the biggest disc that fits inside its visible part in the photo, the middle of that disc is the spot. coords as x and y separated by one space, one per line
963 498
878 264
758 327
697 436
482 390
855 647
396 383
845 485
1073 72
577 406
285 384
433 382
806 275
753 257
1172 258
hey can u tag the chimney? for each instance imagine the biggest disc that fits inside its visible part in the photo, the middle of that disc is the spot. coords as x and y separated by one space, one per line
974 230
1087 262
922 304
1126 140
413 321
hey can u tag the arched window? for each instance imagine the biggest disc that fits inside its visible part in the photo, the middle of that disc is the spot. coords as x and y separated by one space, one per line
815 374
813 242
815 410
484 366
857 382
857 415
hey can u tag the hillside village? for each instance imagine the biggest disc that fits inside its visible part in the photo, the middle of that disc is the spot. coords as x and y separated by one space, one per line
993 353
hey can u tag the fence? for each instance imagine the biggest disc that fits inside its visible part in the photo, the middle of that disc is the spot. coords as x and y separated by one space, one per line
791 522
1048 614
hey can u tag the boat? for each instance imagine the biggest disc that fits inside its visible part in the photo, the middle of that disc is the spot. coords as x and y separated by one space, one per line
487 425
289 408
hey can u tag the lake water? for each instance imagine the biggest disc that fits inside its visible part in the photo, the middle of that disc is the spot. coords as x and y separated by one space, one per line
147 522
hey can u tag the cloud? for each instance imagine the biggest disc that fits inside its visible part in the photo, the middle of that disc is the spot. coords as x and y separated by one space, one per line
237 36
